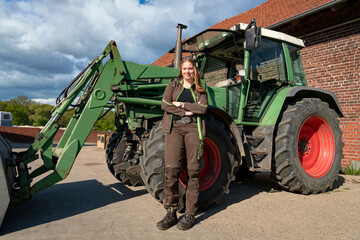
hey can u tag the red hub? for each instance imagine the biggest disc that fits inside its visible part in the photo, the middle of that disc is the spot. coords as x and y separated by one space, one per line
316 147
210 166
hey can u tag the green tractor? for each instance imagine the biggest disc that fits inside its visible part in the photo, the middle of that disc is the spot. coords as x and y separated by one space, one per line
262 116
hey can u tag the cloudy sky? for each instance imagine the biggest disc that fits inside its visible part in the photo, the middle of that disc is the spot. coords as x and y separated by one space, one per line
45 43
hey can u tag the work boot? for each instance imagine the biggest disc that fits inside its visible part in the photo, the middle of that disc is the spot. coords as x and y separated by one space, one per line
187 222
168 221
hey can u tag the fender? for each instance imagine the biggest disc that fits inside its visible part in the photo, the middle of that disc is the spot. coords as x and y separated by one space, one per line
272 112
224 117
324 95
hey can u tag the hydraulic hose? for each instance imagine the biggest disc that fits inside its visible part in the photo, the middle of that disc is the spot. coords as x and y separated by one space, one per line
75 82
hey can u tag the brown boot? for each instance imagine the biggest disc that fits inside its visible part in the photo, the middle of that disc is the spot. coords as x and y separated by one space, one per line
168 221
187 222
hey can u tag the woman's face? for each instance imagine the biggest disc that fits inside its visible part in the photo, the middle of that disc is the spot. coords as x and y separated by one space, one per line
188 71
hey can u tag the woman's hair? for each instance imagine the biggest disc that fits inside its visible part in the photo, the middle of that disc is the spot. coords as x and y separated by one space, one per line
198 86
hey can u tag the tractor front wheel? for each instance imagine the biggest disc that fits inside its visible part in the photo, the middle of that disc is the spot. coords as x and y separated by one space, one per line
120 153
308 147
217 165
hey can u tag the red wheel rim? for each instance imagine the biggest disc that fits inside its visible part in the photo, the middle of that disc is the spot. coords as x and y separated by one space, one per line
210 166
316 147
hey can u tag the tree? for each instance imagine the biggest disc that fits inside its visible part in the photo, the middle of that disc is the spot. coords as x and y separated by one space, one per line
3 105
107 123
19 114
19 108
65 118
39 114
27 112
21 101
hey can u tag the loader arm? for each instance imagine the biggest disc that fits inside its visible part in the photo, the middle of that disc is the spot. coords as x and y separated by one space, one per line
97 83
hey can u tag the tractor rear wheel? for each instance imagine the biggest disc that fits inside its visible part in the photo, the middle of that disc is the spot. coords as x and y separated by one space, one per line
217 165
308 147
118 158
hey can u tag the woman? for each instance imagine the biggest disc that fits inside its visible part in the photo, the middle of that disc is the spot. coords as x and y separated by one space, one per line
184 101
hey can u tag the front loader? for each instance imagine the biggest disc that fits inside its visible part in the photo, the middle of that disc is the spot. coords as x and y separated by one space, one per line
262 116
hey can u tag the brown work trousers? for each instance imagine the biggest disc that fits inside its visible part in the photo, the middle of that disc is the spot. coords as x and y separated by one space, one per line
183 140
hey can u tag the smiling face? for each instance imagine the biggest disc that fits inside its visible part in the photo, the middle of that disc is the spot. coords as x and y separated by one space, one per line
188 71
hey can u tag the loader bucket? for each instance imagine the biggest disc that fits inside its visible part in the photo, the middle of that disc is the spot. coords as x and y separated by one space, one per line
7 176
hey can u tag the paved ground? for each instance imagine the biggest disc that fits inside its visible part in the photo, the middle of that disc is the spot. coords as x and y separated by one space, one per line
91 204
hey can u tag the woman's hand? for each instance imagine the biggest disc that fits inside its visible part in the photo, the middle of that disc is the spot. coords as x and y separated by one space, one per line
178 104
181 105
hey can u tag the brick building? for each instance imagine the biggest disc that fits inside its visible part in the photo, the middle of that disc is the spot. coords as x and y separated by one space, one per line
331 31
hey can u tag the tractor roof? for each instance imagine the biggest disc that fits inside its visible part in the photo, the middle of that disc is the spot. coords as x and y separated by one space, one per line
211 38
275 35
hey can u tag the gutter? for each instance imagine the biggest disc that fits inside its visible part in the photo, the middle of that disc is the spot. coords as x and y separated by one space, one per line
307 13
329 28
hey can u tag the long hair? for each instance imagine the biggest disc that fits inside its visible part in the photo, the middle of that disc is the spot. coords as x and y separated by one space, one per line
198 86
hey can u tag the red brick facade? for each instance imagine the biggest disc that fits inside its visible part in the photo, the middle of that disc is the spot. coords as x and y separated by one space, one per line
333 63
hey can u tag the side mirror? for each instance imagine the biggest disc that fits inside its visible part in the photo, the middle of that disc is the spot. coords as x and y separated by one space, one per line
252 36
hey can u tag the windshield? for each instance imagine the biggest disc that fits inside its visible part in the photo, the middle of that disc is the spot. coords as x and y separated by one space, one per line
221 44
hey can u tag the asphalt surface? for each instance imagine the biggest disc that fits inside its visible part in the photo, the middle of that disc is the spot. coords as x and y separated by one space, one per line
92 204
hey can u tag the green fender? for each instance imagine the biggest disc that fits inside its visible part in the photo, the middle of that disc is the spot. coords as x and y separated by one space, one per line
273 111
230 125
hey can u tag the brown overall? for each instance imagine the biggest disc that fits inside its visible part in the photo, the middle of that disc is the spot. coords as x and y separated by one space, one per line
182 139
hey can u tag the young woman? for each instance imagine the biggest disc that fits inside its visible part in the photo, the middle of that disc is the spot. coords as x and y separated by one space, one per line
184 102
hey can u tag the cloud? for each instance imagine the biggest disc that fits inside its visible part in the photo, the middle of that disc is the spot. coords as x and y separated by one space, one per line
45 43
45 101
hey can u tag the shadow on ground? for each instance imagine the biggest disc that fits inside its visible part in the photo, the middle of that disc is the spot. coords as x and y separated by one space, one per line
240 191
247 188
339 182
63 201
70 199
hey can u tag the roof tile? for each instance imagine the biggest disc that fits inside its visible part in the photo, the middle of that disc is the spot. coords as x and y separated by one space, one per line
266 14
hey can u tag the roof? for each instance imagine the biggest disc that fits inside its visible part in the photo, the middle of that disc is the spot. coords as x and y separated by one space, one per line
273 11
269 13
275 35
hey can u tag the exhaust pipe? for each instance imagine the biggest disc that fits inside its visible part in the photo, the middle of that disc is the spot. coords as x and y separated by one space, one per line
178 49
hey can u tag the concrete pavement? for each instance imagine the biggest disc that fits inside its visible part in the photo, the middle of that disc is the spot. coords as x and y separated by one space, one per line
92 204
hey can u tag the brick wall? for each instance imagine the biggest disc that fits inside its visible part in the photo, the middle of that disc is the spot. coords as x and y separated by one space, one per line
271 69
332 61
27 134
215 71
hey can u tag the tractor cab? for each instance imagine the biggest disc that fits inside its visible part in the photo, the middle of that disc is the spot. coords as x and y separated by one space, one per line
247 66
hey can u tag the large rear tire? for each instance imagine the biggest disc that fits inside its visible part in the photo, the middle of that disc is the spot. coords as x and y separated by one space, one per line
217 165
115 151
308 147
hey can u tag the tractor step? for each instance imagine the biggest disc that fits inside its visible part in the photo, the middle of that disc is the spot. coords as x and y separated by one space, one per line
7 176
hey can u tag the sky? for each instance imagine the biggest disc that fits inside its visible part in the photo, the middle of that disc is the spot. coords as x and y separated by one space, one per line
44 44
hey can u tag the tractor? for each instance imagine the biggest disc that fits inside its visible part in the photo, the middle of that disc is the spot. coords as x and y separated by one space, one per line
262 116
